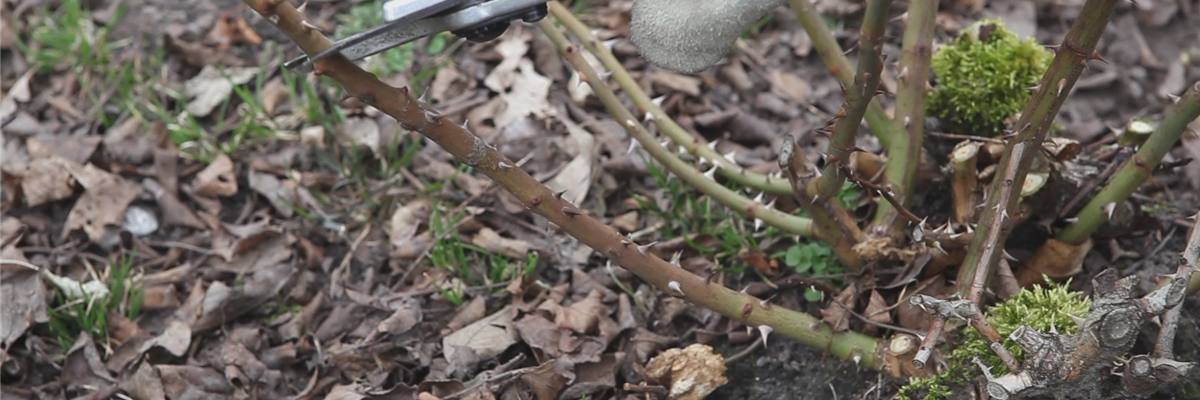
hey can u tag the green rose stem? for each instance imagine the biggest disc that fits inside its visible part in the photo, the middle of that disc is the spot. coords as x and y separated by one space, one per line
412 114
905 155
1137 169
837 63
646 106
1077 49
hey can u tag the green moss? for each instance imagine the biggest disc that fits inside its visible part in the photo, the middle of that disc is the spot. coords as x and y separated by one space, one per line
984 78
1041 307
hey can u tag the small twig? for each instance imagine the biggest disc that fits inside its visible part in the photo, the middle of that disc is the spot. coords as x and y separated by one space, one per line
754 345
1164 348
882 192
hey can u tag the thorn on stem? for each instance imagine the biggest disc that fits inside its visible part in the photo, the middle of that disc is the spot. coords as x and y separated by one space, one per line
571 212
645 249
674 285
766 330
504 166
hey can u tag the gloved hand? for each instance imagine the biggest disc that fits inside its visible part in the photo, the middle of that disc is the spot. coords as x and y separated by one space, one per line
689 36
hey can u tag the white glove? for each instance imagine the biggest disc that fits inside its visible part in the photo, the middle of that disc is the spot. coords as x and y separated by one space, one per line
689 36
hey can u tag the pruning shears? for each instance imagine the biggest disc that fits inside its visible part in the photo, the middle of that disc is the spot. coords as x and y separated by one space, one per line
409 20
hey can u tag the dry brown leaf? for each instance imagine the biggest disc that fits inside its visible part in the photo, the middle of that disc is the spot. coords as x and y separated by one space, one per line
175 340
217 179
595 377
359 131
480 341
627 222
273 94
582 316
213 85
223 303
102 207
194 382
543 381
231 29
677 82
406 221
877 310
576 177
24 298
144 383
493 242
77 149
691 373
406 314
529 96
837 314
44 180
467 314
761 262
280 193
83 366
512 51
790 86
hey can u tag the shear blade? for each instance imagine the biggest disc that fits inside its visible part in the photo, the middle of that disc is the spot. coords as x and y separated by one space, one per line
401 13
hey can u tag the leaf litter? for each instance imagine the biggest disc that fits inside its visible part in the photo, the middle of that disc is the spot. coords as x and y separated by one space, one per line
323 263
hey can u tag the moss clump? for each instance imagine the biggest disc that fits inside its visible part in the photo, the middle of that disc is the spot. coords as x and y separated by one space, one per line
1041 307
984 78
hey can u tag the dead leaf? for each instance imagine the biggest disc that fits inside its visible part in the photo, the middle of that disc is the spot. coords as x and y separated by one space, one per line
223 303
576 177
677 82
198 55
83 366
24 299
44 180
359 131
406 314
543 381
467 314
877 310
273 94
193 382
217 179
102 206
76 148
280 193
407 220
175 340
595 377
837 314
493 242
213 85
582 316
480 341
790 86
231 29
529 96
512 51
691 373
761 262
144 383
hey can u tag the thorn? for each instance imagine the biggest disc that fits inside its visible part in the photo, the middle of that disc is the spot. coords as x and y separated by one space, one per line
674 285
559 195
504 166
464 125
658 101
646 247
903 75
1078 320
433 117
302 8
648 117
765 330
608 44
1174 98
633 145
817 197
665 143
308 27
1062 84
631 124
1109 208
604 75
759 199
424 96
1034 88
730 156
857 359
571 212
758 224
712 145
711 173
907 121
1008 257
676 258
